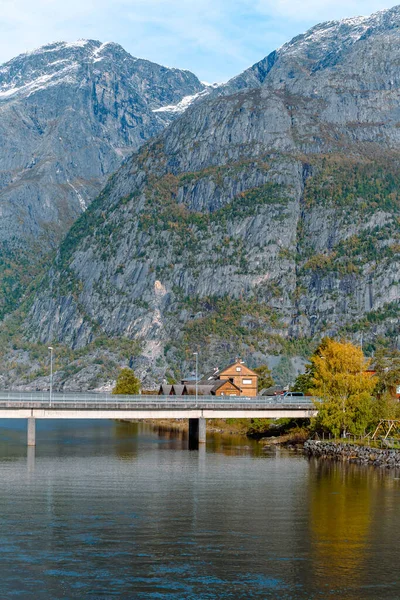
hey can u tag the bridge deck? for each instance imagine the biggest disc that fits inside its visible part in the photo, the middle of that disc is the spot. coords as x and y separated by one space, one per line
37 405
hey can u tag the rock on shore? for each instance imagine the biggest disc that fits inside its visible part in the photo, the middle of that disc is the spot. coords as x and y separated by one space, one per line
364 455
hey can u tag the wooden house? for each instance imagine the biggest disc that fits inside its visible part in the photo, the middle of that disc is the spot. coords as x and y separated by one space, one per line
237 373
235 380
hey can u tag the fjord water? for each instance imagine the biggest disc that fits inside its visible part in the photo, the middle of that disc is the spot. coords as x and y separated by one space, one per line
111 510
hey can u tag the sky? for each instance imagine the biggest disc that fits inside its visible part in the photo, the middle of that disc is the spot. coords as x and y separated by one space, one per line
216 39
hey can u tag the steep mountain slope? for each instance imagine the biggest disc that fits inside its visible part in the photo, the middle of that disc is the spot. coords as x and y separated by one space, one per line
69 114
256 221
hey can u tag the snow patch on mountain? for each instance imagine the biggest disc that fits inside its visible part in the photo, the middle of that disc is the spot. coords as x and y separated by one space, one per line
187 101
39 83
98 51
14 81
54 46
79 196
350 30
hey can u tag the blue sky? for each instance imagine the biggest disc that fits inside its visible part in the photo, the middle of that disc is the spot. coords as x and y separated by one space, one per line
216 39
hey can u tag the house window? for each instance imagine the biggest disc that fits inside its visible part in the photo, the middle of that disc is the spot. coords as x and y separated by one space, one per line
247 381
398 389
238 369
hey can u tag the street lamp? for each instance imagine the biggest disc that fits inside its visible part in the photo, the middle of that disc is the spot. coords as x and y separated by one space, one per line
51 372
196 354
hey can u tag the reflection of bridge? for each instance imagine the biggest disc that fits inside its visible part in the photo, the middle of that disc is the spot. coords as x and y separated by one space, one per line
38 405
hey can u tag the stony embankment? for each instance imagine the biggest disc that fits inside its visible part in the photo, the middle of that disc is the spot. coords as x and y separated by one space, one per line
362 455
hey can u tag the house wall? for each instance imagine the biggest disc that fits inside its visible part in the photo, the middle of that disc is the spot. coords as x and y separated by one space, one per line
243 377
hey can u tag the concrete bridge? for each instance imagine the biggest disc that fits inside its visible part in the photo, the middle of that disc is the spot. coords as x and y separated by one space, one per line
38 405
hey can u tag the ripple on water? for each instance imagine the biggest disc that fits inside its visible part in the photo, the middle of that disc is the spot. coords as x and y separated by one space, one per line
105 511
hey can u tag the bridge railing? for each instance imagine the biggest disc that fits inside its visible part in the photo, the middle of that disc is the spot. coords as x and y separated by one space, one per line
79 400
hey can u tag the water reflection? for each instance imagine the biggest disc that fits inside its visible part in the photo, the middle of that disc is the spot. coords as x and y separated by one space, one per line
30 458
345 516
340 515
120 510
126 435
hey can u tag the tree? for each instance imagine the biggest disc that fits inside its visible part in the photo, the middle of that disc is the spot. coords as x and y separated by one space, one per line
385 406
387 368
264 377
127 383
304 382
284 372
341 381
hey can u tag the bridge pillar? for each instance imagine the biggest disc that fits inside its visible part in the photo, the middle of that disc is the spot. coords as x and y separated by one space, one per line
193 434
31 431
197 433
202 430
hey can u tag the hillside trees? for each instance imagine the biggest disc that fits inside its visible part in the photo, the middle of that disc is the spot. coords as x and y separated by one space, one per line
265 379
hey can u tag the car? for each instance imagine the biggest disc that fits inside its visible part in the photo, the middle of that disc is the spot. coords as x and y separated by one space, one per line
293 394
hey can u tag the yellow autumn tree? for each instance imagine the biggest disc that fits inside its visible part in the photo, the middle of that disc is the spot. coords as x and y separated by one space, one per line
127 383
341 382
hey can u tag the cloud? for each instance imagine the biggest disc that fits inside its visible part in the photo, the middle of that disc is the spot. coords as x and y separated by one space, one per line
214 38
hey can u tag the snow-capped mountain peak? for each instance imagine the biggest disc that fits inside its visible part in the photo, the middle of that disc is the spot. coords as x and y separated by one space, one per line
52 64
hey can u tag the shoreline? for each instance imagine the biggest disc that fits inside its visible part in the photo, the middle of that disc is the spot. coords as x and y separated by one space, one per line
387 458
361 455
220 426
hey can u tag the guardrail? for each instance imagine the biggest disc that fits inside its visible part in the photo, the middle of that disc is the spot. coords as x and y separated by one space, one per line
124 402
93 398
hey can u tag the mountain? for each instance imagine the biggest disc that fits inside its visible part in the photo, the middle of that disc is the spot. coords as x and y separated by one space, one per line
264 217
69 115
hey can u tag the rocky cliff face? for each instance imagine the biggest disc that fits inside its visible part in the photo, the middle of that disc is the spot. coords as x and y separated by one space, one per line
260 219
69 114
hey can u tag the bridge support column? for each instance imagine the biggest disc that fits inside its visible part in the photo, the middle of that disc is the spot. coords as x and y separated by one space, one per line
193 434
202 430
197 433
31 431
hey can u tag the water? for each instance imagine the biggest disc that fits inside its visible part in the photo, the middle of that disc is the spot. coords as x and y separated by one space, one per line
108 510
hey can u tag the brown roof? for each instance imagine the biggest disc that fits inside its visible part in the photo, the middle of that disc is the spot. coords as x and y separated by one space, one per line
210 389
222 382
202 390
237 362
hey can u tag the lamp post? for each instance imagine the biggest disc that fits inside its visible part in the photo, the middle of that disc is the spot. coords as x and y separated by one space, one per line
51 372
196 354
